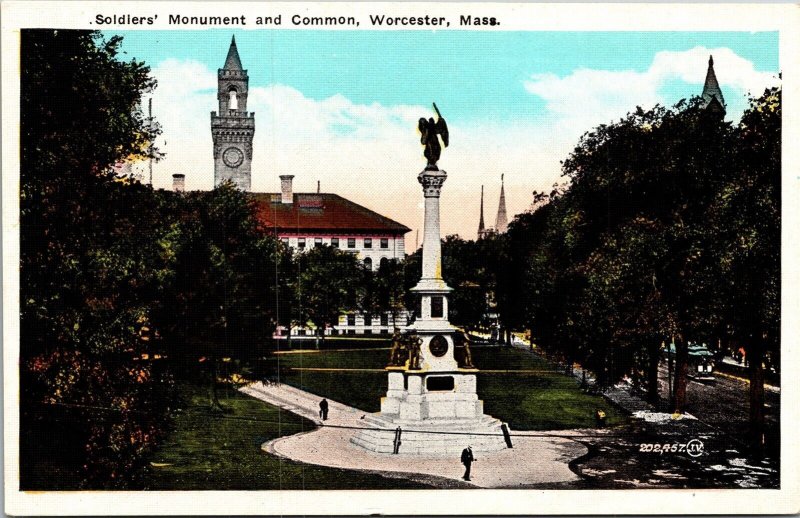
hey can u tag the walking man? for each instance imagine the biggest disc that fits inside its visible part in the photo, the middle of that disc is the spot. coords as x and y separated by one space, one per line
466 460
323 409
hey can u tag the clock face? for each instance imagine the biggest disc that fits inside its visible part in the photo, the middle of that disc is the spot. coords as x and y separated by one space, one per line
233 157
438 346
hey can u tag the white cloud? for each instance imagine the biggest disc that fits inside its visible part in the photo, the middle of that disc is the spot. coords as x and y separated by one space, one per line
690 66
587 97
371 153
368 153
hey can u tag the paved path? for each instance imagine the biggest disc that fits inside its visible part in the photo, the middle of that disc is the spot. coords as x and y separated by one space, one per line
540 459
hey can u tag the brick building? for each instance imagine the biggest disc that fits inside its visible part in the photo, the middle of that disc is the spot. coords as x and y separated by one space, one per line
305 220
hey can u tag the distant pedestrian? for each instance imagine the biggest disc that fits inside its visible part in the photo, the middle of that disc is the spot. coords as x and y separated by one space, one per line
600 418
323 409
467 459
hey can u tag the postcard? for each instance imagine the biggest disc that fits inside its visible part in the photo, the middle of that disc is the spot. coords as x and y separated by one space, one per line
399 258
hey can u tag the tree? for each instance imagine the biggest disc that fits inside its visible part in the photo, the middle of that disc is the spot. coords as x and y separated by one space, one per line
329 283
411 275
746 216
468 269
661 167
386 292
621 258
94 260
226 286
669 228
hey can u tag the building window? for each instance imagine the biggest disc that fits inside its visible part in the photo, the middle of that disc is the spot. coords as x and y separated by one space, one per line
351 331
384 331
301 332
334 332
367 331
367 320
301 242
317 241
383 262
351 320
335 242
384 242
367 242
384 319
368 263
351 242
233 100
285 241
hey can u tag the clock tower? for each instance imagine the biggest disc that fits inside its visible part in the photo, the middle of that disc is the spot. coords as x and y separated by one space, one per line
233 127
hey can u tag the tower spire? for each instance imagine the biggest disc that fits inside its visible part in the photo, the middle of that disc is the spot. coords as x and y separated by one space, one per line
232 62
712 94
232 128
501 223
481 226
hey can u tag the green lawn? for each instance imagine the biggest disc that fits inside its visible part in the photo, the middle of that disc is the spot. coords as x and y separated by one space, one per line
339 342
359 389
527 401
213 451
209 450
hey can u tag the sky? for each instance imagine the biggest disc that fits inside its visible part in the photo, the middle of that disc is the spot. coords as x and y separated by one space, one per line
341 107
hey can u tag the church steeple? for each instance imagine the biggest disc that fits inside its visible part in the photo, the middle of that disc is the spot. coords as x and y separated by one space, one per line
481 226
712 94
232 62
501 224
233 127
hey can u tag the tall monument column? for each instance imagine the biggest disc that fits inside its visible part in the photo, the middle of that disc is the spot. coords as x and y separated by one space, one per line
433 291
432 182
431 398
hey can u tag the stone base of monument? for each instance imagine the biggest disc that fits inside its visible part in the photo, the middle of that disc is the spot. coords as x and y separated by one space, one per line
438 414
433 437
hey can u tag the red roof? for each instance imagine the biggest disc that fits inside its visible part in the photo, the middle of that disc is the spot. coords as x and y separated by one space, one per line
322 212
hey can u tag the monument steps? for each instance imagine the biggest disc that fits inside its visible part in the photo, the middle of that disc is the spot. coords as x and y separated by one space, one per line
388 422
427 444
449 437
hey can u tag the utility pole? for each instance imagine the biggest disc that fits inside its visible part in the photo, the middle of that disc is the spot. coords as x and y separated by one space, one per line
150 126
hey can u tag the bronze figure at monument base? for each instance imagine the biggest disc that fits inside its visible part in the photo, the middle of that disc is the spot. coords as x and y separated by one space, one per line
398 353
463 347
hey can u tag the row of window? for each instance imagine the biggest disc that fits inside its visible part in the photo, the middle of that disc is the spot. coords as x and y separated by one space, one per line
384 319
335 332
351 242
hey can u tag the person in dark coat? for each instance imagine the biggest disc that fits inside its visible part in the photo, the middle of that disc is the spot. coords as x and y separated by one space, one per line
323 409
467 460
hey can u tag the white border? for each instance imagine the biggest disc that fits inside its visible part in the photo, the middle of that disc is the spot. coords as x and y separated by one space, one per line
591 17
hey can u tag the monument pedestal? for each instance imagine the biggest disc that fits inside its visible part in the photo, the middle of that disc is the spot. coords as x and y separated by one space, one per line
436 395
439 413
